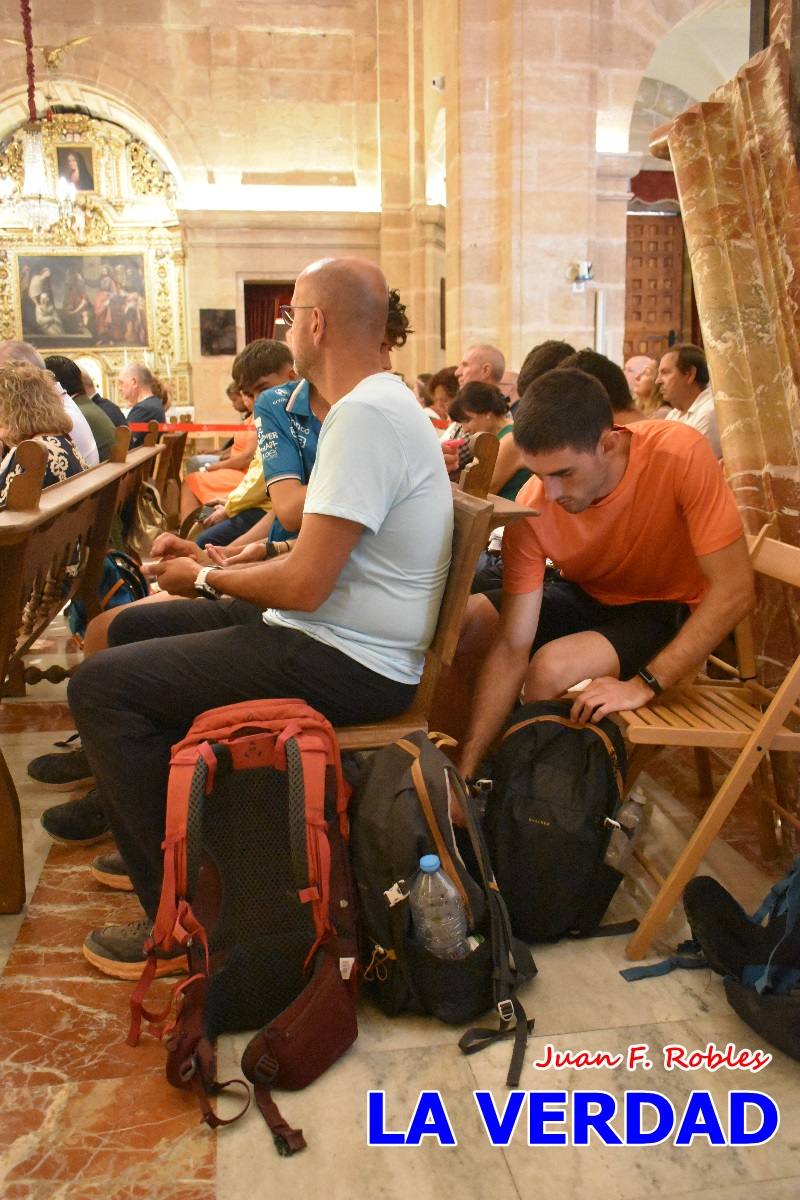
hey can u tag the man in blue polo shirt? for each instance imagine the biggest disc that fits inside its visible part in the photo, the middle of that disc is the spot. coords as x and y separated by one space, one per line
288 422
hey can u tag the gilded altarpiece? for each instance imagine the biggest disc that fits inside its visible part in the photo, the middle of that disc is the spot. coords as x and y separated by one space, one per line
106 281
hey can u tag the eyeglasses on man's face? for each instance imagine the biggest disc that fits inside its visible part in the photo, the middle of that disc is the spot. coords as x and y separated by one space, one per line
288 311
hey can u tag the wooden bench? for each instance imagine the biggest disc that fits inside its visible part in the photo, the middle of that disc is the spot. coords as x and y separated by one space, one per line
52 546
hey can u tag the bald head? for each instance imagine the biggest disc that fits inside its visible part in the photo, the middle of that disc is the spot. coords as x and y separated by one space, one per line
481 364
20 352
341 306
352 293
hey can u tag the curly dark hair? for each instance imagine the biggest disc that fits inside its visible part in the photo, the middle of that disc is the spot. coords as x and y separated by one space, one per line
398 325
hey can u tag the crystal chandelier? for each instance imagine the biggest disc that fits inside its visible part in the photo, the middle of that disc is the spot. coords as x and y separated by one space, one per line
38 204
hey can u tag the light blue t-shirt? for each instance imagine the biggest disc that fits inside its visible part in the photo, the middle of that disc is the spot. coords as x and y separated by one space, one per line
379 463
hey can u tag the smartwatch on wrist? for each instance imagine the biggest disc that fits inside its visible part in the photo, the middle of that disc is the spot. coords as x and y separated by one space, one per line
203 587
650 680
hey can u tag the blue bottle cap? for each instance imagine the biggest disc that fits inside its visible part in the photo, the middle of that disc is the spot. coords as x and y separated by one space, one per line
429 863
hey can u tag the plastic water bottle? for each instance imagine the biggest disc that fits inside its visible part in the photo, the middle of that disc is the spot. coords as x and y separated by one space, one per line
625 834
437 912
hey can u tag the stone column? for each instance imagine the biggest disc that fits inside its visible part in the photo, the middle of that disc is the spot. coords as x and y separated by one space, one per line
412 232
521 183
738 182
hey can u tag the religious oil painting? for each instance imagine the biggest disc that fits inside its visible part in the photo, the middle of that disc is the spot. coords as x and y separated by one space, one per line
217 331
76 165
83 301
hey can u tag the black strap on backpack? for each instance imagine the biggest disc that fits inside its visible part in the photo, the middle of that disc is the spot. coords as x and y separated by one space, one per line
513 1020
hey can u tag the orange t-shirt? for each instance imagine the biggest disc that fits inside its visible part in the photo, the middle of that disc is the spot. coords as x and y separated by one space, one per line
641 541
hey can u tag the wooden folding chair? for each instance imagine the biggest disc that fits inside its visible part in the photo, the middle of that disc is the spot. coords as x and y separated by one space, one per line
472 522
746 717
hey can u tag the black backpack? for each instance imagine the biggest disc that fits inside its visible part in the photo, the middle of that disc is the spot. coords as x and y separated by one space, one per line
557 787
399 812
758 955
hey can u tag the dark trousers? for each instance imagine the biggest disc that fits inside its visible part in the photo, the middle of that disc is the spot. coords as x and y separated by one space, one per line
166 664
227 531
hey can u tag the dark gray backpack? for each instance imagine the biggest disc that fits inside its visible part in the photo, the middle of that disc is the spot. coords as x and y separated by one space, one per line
557 788
399 812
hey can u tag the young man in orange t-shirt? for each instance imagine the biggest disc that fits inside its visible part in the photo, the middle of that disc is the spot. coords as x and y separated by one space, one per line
653 569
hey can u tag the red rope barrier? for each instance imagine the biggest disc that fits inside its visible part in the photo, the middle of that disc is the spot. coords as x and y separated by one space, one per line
185 427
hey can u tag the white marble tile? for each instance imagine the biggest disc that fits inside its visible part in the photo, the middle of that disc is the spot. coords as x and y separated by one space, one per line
630 1173
769 1189
338 1161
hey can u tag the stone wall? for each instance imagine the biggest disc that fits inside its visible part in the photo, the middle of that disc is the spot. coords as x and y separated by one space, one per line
325 111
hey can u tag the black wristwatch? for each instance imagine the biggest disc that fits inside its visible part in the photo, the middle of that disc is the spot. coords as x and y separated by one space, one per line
650 680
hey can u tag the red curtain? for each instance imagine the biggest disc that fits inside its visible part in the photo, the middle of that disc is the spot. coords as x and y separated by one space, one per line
262 302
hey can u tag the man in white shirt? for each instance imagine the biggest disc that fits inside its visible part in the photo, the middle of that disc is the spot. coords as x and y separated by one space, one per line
80 433
683 375
342 622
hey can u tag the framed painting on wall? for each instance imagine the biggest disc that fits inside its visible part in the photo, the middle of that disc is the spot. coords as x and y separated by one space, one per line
217 331
83 301
76 165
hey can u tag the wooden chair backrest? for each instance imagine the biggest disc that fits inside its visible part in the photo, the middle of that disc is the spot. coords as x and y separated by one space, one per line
151 437
775 560
52 549
477 476
171 458
472 521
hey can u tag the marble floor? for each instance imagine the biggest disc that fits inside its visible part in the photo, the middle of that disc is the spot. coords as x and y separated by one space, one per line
86 1117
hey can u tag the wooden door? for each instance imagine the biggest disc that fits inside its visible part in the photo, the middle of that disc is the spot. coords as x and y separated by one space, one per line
653 284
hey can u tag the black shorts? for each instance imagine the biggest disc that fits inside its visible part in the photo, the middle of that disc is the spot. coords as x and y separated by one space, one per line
636 631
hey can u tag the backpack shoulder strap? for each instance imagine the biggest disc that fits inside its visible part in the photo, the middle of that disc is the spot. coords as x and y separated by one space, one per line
513 1020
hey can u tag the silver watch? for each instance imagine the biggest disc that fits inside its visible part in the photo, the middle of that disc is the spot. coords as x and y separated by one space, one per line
202 586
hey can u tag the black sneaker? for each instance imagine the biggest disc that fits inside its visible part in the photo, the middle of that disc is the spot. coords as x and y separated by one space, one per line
62 771
80 822
110 869
118 950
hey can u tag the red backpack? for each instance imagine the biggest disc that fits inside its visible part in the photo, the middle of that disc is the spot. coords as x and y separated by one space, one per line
257 887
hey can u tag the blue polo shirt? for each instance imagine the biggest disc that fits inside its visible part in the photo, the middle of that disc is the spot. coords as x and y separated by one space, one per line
288 433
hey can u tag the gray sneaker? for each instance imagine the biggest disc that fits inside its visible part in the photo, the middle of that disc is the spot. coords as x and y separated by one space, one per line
118 950
78 822
110 870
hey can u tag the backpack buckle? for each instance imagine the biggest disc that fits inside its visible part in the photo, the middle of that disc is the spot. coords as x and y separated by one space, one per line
395 893
265 1070
506 1011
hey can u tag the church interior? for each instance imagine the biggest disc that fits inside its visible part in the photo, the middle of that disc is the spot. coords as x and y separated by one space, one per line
614 174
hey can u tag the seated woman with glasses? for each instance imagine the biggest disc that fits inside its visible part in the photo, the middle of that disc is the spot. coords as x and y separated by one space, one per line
32 409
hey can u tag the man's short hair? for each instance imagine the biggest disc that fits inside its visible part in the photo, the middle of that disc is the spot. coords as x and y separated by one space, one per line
565 408
21 352
67 373
142 374
691 356
446 378
610 375
540 359
398 326
263 356
493 358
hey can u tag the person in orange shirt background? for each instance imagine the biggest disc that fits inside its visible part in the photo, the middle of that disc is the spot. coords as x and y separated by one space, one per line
652 564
